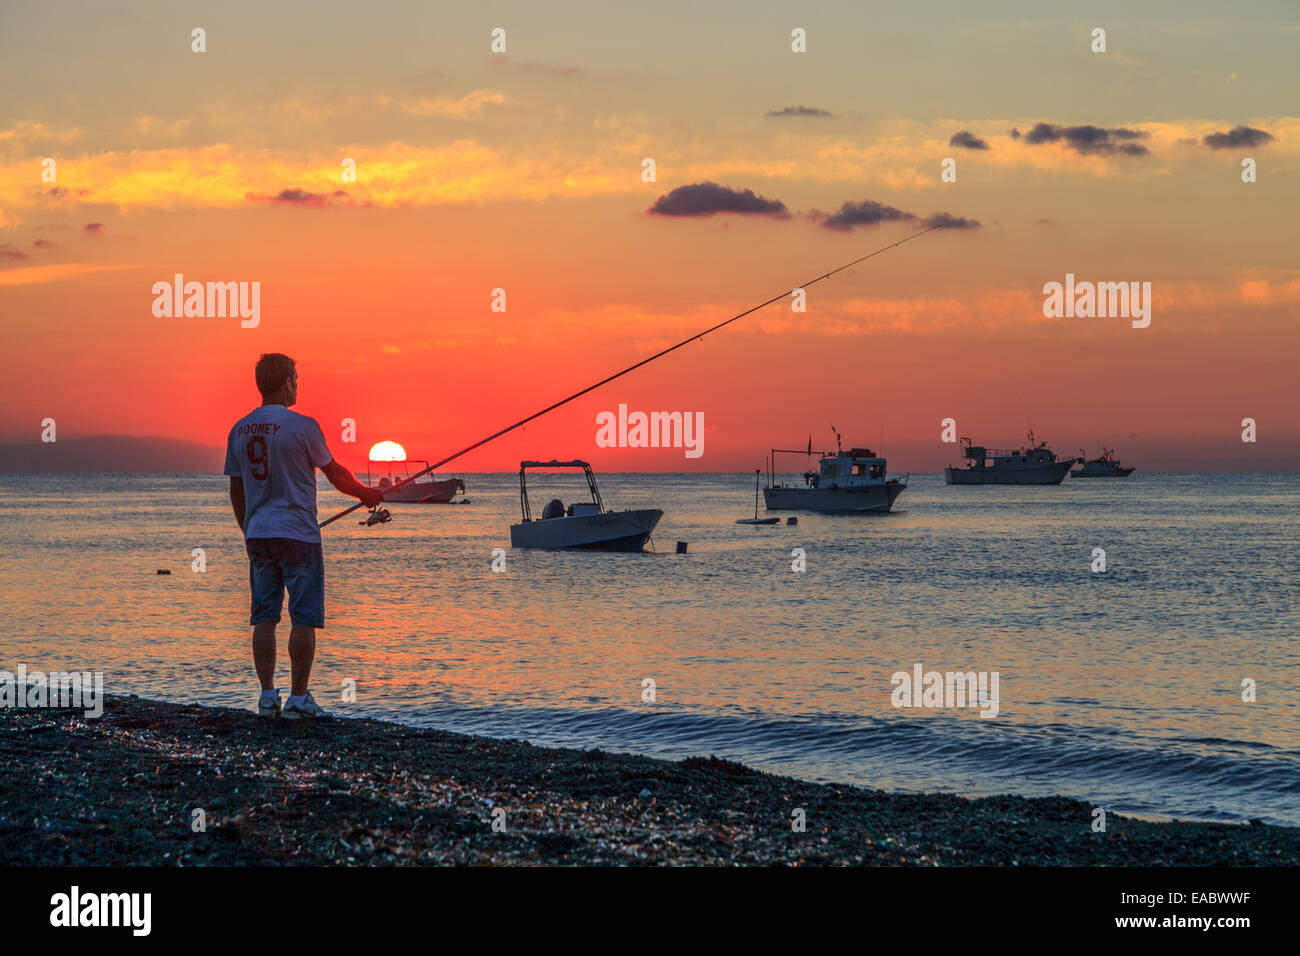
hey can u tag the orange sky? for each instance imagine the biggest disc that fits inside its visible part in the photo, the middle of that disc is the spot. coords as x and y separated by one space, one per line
523 172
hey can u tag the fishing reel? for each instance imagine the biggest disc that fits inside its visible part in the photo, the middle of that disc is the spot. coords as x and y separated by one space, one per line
377 516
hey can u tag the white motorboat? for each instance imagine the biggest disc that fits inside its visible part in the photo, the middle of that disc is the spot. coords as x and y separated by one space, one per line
425 490
586 525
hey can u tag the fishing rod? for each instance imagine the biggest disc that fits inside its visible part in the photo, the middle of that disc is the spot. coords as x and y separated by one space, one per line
631 368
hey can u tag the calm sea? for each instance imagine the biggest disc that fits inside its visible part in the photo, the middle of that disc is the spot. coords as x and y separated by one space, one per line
1123 688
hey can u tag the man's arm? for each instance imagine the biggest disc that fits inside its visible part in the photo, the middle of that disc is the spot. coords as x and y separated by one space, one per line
343 480
237 498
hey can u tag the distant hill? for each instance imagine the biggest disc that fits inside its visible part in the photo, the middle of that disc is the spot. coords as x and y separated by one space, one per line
112 453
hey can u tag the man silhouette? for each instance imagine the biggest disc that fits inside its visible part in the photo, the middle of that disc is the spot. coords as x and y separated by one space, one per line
271 457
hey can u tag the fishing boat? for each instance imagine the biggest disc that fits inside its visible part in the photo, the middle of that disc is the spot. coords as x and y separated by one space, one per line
1034 464
846 482
588 525
426 490
1107 466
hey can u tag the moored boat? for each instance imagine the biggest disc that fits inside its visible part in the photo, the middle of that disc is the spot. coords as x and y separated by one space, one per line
846 482
425 490
1106 466
1034 464
585 525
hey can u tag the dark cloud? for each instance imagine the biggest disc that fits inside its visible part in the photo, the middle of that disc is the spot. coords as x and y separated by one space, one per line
967 141
45 244
1088 140
1236 138
10 254
93 229
1013 133
872 213
705 199
800 111
300 197
946 220
1046 222
865 213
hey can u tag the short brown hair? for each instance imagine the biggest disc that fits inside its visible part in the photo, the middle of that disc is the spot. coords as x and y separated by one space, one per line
273 370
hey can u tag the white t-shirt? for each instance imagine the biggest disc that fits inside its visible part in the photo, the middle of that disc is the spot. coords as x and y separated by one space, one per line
276 452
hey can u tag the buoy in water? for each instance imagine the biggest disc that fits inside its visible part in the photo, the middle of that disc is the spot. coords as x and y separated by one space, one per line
163 571
681 547
792 520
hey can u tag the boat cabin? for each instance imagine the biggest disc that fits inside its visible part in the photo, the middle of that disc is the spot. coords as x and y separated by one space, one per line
1030 456
855 468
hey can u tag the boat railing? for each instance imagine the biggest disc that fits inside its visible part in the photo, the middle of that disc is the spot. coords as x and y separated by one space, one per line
523 482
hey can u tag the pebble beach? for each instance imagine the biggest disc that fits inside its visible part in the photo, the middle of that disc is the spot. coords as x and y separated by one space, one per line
159 784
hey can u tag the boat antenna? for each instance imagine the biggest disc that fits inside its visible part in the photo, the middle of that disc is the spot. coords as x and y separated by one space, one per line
632 368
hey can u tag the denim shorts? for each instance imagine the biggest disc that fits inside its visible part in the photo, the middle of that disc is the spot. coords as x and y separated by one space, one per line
278 563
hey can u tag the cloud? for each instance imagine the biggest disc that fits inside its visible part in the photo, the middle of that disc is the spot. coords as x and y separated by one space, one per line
157 126
1238 137
946 220
301 197
872 213
34 275
705 199
27 131
10 254
1088 140
471 104
800 111
93 229
548 69
967 141
45 244
865 213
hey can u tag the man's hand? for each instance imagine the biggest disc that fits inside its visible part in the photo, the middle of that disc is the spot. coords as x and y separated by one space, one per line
343 480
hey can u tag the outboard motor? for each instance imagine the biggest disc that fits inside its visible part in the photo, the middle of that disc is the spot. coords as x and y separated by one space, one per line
554 509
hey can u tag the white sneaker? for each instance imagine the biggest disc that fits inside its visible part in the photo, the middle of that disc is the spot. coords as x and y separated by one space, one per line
268 705
307 707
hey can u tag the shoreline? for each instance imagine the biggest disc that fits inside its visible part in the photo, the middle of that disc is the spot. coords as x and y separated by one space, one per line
122 790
